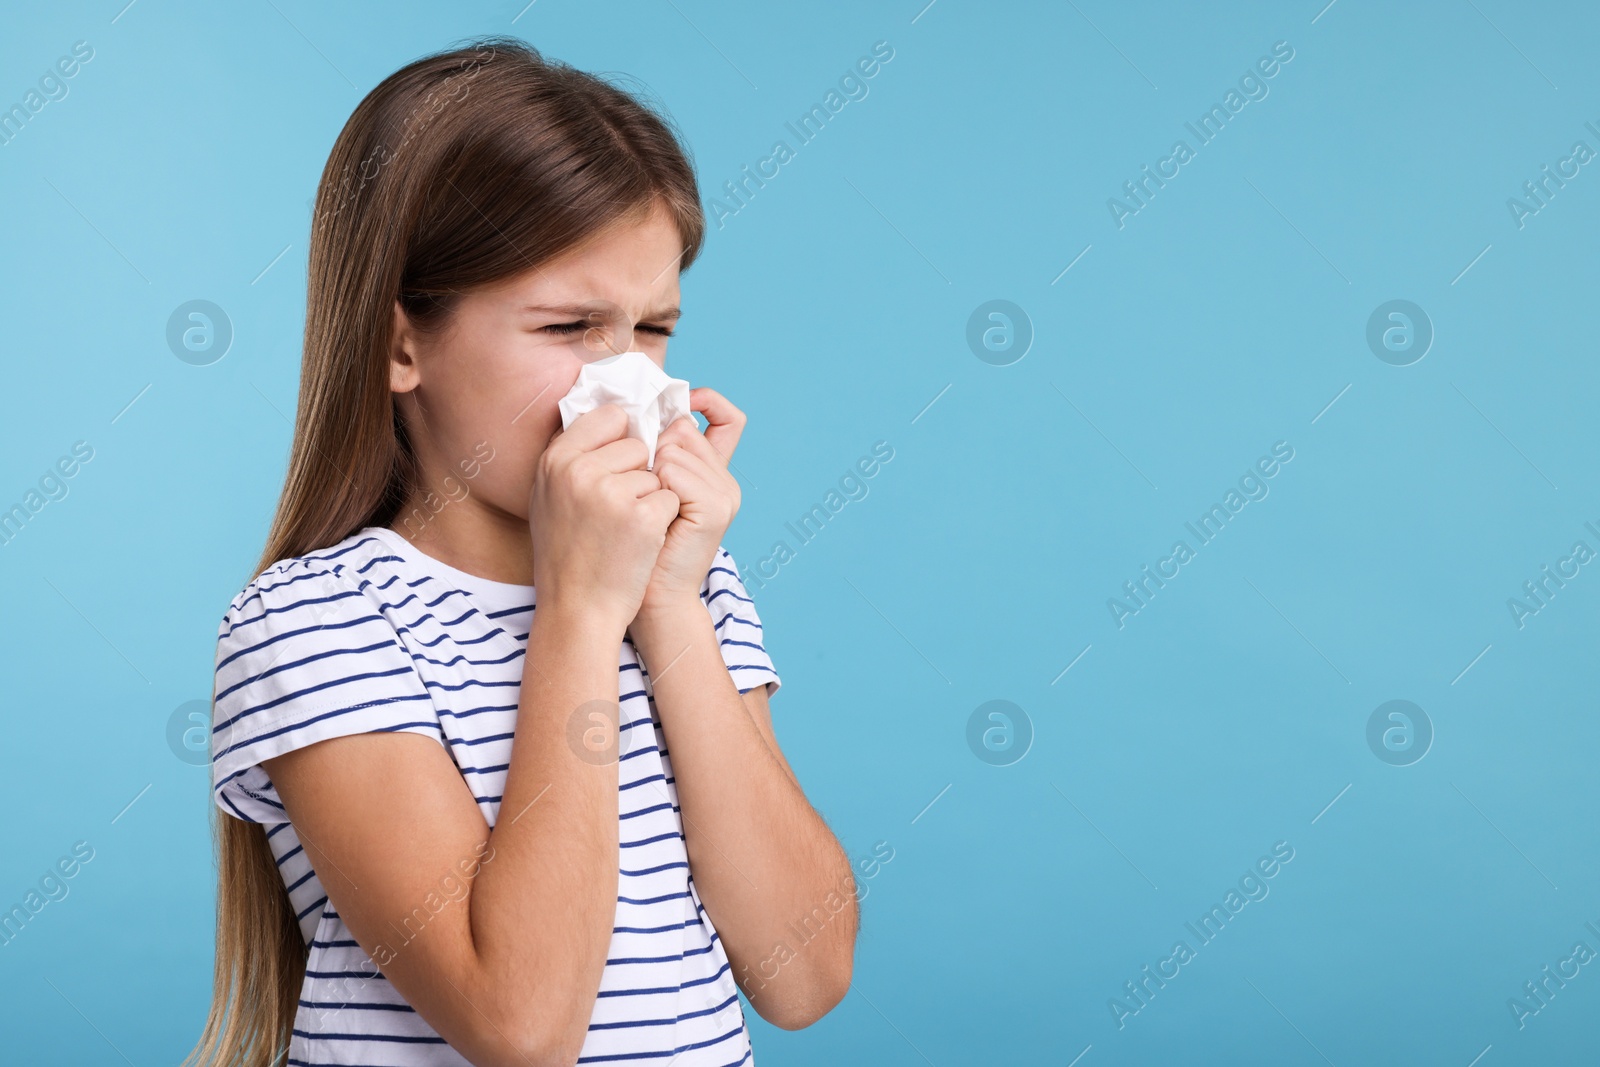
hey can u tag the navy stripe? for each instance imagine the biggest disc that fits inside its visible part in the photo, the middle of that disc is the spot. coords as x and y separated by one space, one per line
642 811
641 872
360 1006
459 641
432 726
481 740
259 589
485 770
234 807
279 567
296 633
376 559
399 1039
319 687
647 811
654 929
674 1053
447 713
618 961
431 684
507 658
731 616
323 625
346 595
664 1022
292 664
653 900
650 840
430 615
378 977
368 540
664 989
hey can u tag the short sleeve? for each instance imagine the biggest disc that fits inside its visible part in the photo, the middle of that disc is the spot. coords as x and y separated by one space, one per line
304 654
738 626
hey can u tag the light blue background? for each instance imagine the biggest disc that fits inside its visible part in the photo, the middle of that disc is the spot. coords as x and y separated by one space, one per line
1224 317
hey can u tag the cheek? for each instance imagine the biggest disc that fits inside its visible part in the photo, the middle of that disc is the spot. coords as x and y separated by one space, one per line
514 405
520 409
506 479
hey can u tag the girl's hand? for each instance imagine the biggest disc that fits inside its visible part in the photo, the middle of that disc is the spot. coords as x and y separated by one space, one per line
694 466
598 520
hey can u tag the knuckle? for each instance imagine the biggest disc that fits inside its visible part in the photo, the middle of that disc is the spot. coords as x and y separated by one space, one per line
620 490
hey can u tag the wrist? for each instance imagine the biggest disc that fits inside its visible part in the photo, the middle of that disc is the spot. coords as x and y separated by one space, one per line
578 624
668 620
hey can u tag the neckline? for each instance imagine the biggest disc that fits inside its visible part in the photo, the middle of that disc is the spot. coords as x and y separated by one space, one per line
502 594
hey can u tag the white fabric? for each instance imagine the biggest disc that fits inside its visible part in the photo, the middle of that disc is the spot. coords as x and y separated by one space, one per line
652 399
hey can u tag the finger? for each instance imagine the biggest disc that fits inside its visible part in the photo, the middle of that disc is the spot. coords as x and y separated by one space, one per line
639 482
724 422
685 474
685 433
662 505
624 454
593 428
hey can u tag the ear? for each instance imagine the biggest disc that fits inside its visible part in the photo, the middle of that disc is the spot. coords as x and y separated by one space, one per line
404 375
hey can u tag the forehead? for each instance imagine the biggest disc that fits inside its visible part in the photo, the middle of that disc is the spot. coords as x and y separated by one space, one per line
632 262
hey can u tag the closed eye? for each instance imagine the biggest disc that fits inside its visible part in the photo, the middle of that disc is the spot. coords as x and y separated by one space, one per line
573 327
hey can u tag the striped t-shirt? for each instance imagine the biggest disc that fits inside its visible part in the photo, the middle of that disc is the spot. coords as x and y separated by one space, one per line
373 635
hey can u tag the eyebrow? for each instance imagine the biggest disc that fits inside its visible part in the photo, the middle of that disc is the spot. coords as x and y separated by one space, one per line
671 314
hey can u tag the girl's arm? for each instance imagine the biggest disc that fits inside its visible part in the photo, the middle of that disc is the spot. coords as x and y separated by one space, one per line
768 868
508 973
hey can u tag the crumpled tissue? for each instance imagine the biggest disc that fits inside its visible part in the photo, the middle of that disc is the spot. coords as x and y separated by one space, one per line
631 380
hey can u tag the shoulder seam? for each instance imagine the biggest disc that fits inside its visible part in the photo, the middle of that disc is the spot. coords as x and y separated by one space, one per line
307 563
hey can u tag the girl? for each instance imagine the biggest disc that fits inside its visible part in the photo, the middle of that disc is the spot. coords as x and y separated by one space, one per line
449 828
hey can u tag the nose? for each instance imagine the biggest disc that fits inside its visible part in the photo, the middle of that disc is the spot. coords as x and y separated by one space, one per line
609 331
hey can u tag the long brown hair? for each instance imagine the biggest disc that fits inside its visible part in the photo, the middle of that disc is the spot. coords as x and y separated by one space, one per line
461 169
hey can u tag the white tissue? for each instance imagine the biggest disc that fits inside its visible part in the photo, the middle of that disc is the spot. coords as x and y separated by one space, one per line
631 380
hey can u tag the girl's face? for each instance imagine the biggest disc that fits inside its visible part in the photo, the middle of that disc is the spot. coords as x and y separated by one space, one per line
492 380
